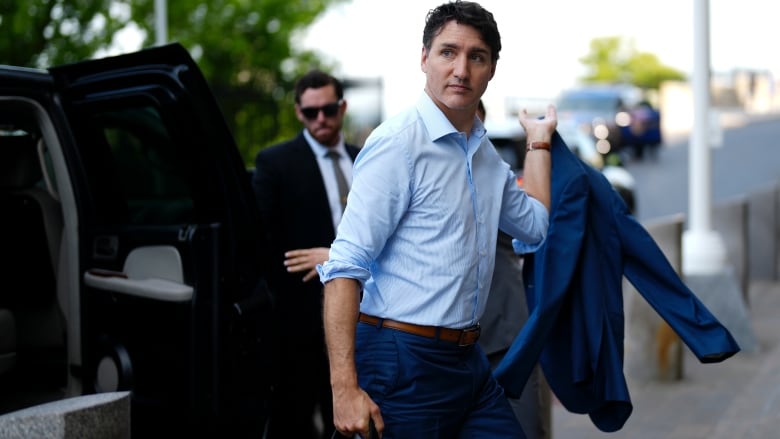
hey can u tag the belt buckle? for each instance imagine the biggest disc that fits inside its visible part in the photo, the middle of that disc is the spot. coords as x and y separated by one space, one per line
469 336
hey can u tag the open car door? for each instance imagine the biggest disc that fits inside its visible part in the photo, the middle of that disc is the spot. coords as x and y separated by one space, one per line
172 300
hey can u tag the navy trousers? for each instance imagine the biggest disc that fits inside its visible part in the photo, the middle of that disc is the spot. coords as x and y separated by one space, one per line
427 388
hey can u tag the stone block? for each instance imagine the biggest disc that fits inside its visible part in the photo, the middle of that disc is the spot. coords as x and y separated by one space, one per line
730 221
653 350
100 416
763 223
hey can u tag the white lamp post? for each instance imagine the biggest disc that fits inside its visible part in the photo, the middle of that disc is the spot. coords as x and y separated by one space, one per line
703 249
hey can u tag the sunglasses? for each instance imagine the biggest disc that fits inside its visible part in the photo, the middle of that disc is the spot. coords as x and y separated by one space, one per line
328 110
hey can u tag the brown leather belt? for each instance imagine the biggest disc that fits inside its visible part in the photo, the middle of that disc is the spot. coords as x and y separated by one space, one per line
463 337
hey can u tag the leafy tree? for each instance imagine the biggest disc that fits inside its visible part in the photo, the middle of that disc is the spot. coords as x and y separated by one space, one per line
245 48
646 71
612 60
40 33
604 62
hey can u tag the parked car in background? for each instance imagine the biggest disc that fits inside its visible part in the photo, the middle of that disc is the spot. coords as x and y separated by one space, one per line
607 119
510 141
643 133
130 248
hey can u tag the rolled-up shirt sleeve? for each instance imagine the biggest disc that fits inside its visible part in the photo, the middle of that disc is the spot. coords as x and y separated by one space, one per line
339 265
378 197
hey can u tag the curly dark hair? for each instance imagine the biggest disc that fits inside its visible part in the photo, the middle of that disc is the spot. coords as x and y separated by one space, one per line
317 79
463 12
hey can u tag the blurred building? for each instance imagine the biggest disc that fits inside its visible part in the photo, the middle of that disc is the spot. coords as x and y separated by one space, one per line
733 95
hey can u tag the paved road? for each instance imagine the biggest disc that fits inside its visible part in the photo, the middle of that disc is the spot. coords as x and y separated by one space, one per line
749 160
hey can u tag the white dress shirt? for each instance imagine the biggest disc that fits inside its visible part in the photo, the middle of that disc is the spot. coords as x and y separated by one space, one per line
328 177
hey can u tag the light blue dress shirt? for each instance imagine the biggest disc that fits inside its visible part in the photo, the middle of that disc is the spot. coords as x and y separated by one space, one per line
420 227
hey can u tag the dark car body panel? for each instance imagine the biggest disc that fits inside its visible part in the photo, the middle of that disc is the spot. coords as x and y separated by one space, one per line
167 290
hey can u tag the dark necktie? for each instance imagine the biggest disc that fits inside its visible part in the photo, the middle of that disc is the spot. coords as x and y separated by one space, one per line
340 180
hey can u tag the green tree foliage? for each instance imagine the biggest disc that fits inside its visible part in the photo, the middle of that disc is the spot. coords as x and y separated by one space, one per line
245 48
613 60
646 71
604 63
246 51
40 33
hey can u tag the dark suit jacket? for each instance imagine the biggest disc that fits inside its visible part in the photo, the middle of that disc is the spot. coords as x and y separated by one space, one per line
505 311
573 286
294 214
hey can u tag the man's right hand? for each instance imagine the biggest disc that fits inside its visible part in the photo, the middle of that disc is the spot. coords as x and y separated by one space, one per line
352 409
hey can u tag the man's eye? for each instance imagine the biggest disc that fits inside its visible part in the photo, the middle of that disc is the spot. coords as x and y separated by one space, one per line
447 52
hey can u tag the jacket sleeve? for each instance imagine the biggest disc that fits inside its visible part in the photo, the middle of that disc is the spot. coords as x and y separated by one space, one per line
653 276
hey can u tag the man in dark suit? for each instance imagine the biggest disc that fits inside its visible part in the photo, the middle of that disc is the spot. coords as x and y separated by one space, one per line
301 192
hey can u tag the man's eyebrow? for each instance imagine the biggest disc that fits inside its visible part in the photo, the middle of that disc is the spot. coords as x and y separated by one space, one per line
471 50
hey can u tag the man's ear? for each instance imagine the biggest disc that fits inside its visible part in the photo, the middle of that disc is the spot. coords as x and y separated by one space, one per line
298 113
424 60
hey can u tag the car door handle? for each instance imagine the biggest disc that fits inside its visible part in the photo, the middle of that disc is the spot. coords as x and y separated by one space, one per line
150 288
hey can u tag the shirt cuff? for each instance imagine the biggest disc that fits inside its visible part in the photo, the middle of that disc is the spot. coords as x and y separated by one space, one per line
331 270
521 248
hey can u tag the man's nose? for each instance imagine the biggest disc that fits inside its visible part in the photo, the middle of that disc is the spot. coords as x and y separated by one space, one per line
461 67
321 117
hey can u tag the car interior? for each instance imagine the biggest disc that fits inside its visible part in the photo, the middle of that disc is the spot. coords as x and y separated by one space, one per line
33 354
40 326
129 252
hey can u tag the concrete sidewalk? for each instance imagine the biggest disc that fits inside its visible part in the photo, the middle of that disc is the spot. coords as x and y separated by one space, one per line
739 398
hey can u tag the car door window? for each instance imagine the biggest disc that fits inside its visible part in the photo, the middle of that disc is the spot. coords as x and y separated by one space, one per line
139 171
147 167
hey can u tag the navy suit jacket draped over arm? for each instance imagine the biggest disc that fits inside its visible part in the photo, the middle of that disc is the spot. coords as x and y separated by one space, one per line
573 285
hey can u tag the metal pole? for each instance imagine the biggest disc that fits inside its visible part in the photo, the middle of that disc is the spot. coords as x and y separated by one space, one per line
700 162
703 249
160 22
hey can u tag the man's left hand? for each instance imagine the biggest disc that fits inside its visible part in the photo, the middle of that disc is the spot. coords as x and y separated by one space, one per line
306 260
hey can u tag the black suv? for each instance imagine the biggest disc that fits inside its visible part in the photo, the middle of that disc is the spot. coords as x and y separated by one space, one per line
130 251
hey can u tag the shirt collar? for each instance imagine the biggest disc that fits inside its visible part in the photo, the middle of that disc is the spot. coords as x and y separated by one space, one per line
320 150
437 123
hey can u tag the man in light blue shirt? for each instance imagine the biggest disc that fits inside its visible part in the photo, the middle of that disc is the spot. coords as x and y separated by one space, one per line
417 242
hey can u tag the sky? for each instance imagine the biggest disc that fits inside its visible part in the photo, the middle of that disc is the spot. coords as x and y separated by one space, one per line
543 40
